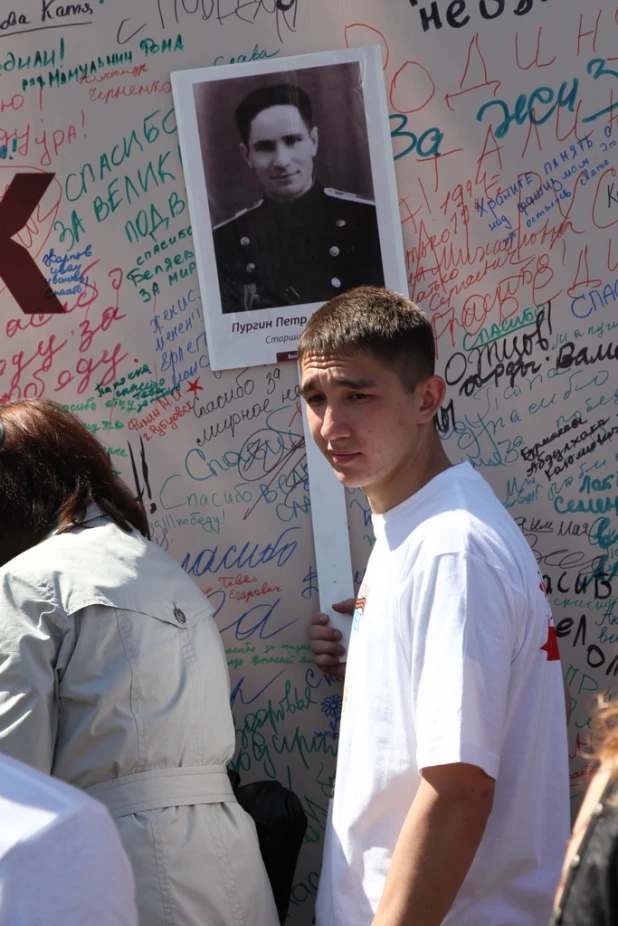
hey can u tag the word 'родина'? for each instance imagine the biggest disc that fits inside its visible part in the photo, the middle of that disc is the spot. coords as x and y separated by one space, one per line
456 14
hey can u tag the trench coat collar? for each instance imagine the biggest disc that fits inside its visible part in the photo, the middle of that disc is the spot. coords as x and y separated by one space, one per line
93 513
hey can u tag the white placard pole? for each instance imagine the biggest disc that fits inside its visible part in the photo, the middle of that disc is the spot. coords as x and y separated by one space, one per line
330 536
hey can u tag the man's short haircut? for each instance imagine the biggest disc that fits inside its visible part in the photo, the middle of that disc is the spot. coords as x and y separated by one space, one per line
264 98
376 321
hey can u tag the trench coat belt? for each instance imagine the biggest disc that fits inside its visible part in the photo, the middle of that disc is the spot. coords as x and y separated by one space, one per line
164 787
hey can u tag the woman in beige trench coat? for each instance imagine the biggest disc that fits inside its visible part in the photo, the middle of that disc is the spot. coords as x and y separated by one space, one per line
113 676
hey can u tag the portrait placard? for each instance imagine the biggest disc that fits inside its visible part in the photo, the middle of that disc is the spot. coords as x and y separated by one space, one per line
289 173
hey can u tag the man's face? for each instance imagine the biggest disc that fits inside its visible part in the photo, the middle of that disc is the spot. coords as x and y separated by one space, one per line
281 150
365 423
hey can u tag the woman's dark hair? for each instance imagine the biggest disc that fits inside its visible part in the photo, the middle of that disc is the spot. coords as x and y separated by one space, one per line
51 469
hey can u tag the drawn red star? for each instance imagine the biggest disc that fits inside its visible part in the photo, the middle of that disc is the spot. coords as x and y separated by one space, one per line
551 646
195 387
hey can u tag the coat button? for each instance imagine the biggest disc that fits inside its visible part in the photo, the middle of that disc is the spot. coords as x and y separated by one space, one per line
250 268
340 223
245 241
334 251
180 616
335 282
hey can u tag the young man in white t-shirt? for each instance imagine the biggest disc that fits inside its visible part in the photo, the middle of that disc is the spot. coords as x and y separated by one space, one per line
451 796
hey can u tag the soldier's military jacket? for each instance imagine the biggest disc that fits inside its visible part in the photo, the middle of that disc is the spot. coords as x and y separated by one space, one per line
309 250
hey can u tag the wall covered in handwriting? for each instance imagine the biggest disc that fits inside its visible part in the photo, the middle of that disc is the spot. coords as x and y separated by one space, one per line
504 124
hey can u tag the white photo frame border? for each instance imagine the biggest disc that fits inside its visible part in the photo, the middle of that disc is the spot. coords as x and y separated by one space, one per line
230 349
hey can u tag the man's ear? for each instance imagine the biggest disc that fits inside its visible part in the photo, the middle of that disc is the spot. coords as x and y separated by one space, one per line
313 134
246 155
431 392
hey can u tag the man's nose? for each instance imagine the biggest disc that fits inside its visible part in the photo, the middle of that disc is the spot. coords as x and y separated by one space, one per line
282 156
334 425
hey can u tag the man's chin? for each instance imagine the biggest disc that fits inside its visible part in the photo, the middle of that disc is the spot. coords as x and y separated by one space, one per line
344 473
348 479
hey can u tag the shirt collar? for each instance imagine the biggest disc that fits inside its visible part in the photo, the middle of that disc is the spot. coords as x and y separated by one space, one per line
92 513
307 201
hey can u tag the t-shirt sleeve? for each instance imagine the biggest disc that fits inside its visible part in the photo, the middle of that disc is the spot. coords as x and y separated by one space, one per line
462 631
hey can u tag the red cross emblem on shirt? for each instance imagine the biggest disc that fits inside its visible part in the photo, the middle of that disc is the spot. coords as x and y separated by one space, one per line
551 646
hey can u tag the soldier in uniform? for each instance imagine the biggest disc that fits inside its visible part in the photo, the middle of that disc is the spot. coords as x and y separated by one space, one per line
301 242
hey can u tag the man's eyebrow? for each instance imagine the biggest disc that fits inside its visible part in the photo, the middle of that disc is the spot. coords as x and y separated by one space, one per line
289 136
310 385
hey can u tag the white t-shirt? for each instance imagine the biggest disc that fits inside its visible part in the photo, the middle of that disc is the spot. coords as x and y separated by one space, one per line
61 859
453 658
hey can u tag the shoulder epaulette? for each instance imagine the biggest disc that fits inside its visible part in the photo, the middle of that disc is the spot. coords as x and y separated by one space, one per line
350 197
238 214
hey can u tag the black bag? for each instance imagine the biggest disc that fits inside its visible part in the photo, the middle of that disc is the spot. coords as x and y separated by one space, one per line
281 823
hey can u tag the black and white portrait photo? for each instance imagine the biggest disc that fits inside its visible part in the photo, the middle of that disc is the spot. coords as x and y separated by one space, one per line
308 228
299 208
